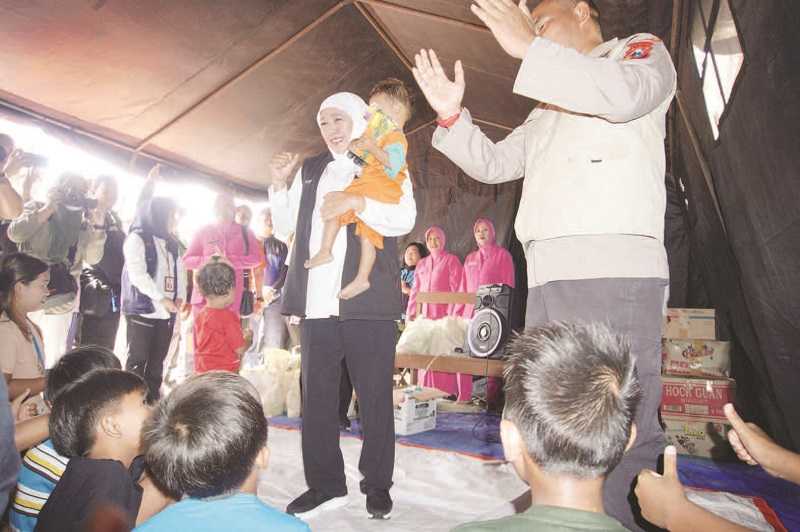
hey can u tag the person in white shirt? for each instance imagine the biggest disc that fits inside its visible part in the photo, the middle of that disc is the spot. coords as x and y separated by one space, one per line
361 330
153 289
591 156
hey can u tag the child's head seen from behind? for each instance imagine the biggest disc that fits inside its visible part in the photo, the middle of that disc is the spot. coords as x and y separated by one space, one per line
571 395
74 365
100 416
207 438
392 97
217 280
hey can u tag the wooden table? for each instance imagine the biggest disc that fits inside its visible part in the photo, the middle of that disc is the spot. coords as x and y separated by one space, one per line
452 364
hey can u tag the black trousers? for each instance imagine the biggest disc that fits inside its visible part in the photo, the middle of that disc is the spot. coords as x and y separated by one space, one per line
345 393
148 343
99 331
368 348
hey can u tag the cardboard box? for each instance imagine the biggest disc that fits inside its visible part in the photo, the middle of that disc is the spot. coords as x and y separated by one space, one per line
696 358
415 409
690 323
705 437
699 398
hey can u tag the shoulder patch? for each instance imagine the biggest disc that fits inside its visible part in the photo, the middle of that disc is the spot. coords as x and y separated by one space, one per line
640 49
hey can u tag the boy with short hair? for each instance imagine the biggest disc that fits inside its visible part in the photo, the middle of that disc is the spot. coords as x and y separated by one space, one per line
42 466
96 422
571 394
204 446
219 340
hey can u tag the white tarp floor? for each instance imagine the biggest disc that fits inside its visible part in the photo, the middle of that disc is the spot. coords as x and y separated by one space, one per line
434 490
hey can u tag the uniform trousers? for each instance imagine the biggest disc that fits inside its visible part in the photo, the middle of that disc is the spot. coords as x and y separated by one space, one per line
633 307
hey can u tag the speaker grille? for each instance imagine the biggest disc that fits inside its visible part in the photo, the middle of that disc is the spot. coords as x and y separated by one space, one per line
486 332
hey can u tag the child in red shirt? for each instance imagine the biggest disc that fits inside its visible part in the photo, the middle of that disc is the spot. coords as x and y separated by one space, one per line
219 340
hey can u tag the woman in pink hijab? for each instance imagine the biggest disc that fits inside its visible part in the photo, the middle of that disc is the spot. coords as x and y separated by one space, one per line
226 238
489 264
440 271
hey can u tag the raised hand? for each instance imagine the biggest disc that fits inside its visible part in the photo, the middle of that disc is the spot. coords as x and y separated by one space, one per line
281 167
443 95
155 172
511 24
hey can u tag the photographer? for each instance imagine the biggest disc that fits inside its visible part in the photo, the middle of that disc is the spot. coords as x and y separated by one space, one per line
101 283
65 231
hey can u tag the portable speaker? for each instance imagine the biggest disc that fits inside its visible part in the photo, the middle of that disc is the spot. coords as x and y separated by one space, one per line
488 330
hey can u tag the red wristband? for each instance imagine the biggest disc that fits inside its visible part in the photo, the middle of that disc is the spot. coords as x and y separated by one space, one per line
449 121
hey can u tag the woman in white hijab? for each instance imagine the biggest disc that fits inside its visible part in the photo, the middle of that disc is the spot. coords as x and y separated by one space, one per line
360 331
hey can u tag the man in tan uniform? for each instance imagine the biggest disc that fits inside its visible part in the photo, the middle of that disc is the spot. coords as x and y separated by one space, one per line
591 156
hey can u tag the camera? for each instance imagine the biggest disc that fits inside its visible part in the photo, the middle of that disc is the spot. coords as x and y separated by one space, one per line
77 200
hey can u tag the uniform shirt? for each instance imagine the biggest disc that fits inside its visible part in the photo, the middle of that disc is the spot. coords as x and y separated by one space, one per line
87 485
592 158
325 282
241 511
547 519
20 358
218 336
41 470
164 284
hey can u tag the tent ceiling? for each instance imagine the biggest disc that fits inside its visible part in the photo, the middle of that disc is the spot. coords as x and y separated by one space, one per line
221 88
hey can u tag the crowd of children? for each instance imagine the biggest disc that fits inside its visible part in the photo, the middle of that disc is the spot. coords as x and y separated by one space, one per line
109 460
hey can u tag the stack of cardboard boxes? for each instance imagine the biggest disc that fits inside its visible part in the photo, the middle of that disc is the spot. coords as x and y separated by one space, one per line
696 383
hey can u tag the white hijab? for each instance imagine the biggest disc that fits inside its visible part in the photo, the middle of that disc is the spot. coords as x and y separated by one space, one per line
355 108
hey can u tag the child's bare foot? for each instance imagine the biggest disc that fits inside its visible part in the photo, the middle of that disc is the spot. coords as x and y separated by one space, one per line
318 260
356 287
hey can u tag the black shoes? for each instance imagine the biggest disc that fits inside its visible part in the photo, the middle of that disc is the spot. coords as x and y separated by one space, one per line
313 502
379 504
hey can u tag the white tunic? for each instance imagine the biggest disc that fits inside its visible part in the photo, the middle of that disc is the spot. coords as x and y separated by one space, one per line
325 282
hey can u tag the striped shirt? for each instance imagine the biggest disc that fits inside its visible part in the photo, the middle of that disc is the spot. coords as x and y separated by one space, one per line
41 469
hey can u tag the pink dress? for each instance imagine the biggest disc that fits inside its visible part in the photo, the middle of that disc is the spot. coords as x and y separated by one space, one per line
439 272
227 237
489 264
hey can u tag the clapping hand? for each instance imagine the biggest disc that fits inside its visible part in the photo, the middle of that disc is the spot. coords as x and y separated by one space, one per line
21 408
281 167
443 95
511 24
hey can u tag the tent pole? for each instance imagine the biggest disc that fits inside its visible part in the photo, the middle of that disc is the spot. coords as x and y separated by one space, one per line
432 16
493 124
218 179
381 31
674 49
421 127
232 81
399 53
704 167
